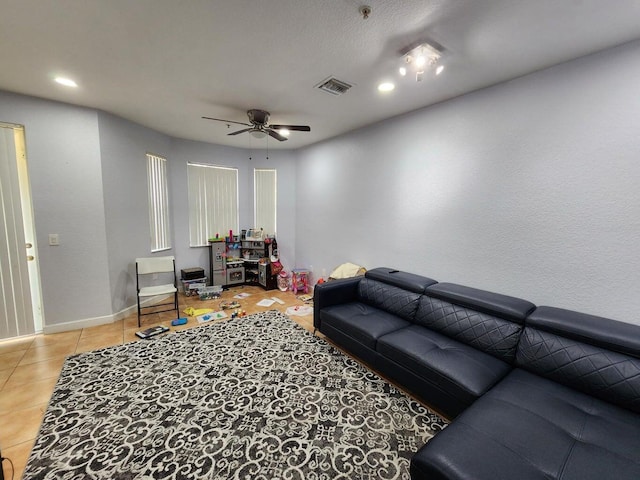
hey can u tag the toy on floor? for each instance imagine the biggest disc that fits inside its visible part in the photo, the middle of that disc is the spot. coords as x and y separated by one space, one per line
178 321
306 298
239 313
194 312
229 305
283 281
299 310
209 293
211 316
150 332
300 280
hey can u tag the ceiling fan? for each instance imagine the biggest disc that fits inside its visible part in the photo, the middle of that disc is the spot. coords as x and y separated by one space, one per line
259 125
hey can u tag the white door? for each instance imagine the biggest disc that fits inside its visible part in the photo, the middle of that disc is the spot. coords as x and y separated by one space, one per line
20 307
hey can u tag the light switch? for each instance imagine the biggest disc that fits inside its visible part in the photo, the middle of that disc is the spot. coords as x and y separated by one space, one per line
54 239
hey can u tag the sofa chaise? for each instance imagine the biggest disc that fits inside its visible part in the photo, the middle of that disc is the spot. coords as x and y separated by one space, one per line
533 392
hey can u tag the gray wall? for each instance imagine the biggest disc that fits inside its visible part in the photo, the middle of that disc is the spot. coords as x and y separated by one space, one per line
528 188
123 148
63 155
183 151
89 182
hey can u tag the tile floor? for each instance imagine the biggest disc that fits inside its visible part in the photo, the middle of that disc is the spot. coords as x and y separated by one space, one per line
29 367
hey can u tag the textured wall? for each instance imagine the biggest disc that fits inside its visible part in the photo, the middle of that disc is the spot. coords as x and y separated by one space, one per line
63 157
528 188
123 149
89 185
183 151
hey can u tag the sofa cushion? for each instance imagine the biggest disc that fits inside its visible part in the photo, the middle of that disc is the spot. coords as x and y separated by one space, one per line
602 332
504 306
404 280
584 352
361 321
335 292
490 334
461 370
530 428
389 298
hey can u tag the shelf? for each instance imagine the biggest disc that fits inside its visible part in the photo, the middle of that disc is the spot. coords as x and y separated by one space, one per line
252 270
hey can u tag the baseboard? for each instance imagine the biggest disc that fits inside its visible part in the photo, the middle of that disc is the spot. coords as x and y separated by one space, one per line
95 321
76 324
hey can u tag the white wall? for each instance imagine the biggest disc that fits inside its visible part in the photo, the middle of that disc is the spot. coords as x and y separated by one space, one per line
63 156
528 188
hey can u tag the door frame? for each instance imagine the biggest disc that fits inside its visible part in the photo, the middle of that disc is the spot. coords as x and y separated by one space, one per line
36 322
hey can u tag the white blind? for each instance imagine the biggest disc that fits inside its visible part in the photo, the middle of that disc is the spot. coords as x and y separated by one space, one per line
265 199
213 202
158 203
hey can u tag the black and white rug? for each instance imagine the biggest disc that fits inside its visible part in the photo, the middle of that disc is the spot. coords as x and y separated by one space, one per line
253 398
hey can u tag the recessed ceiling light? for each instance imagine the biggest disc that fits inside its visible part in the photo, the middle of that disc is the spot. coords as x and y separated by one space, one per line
67 82
386 87
439 69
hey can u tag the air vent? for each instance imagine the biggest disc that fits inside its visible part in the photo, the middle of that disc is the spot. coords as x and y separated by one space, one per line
334 86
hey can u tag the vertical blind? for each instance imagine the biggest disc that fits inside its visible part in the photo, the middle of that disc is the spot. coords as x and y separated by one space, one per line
213 202
158 203
265 199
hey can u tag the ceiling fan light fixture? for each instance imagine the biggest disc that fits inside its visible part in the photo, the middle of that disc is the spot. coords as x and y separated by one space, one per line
259 126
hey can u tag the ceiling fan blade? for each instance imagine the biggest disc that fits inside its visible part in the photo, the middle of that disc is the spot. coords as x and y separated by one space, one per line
241 131
226 121
293 128
275 135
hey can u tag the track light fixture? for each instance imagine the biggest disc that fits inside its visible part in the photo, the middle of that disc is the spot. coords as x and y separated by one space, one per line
418 58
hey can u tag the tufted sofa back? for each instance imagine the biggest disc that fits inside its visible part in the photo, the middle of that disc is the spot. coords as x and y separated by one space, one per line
487 321
393 291
386 297
598 356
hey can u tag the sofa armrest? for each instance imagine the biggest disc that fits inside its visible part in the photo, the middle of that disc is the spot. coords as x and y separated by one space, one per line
335 292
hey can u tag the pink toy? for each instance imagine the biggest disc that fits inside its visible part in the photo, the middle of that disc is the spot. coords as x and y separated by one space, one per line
300 280
283 281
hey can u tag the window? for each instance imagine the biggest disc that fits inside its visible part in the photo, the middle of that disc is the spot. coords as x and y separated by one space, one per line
265 199
158 203
213 202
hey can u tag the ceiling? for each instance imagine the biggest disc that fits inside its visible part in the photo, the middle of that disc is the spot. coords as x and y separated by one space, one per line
166 63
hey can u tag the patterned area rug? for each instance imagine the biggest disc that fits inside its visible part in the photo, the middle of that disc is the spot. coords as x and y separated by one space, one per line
251 398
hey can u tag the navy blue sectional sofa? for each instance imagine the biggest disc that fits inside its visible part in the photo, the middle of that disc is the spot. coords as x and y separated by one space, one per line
535 393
